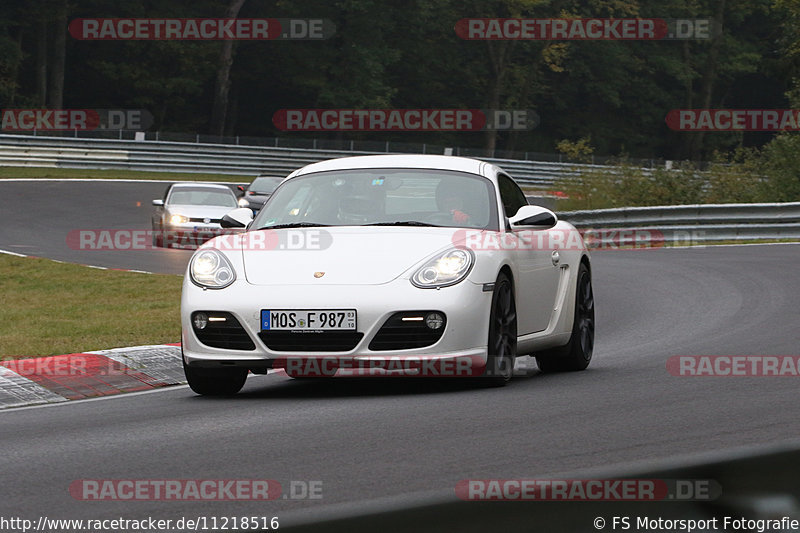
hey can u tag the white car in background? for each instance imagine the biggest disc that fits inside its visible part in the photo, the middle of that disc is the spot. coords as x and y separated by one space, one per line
404 267
190 213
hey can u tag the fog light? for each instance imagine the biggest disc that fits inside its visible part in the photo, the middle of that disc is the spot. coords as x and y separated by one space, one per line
429 275
223 276
200 320
434 320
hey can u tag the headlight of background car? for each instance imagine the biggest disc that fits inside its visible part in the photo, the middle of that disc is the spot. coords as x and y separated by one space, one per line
178 219
243 203
211 269
443 270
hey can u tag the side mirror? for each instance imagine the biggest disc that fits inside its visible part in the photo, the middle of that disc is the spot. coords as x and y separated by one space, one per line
533 216
158 203
238 218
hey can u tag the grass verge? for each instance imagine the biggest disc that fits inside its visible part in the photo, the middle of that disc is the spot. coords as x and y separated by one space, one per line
38 173
55 308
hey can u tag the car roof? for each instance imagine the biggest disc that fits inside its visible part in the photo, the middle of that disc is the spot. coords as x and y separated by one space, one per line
441 162
198 184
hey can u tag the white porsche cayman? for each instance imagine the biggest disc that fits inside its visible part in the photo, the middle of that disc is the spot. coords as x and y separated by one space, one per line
412 265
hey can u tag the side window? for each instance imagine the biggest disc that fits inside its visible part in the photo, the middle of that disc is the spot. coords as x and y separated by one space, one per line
511 195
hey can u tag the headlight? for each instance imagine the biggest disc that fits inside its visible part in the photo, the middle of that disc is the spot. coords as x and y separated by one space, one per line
211 269
443 270
178 219
243 203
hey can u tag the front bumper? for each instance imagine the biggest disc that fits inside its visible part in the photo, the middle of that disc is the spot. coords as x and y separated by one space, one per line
465 305
191 233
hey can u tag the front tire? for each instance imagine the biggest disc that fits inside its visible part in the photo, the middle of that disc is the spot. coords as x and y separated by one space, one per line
215 381
158 238
577 353
501 348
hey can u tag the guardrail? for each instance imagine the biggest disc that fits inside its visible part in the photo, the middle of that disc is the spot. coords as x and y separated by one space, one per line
352 145
756 484
691 224
675 224
164 156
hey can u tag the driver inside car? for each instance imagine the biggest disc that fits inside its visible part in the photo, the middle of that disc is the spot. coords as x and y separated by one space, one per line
450 200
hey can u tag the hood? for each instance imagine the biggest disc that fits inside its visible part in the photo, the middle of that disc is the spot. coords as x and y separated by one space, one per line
347 255
199 211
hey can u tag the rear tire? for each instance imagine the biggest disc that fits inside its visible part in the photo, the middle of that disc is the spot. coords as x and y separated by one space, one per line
577 353
215 381
501 347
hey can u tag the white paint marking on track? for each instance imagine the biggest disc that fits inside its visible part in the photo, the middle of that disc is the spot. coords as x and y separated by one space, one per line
66 402
96 399
16 390
8 252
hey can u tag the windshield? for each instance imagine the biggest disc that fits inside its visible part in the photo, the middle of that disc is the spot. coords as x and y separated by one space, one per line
202 196
265 185
413 197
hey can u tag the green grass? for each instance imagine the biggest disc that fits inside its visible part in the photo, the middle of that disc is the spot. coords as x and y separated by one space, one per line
36 173
55 308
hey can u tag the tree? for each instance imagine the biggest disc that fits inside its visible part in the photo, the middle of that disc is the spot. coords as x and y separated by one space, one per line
55 75
219 110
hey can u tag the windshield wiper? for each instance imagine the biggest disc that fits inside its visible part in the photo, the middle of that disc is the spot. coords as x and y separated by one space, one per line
296 225
403 223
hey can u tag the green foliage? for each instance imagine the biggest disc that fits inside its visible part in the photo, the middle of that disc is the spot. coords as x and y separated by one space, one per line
407 55
782 167
738 178
745 175
579 150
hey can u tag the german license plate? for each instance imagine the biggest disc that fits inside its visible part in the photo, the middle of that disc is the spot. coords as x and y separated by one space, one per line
308 319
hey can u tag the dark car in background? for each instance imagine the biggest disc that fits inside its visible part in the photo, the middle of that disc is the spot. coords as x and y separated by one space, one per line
257 193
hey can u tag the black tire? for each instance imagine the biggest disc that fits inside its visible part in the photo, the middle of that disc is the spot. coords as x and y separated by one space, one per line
501 346
158 239
577 353
215 381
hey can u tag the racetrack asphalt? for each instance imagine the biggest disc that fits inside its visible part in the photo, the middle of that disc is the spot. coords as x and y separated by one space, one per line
37 217
374 438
